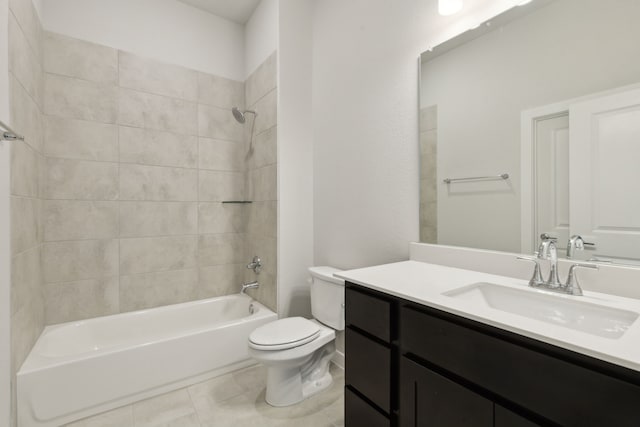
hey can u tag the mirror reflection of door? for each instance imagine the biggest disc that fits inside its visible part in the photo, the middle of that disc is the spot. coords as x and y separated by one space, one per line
552 177
605 174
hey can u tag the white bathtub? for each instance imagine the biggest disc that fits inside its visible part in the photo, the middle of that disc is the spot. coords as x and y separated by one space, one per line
79 369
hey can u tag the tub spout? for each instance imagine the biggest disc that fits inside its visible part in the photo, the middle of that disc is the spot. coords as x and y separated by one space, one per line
250 285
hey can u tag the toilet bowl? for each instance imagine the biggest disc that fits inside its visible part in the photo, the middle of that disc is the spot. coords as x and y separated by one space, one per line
297 351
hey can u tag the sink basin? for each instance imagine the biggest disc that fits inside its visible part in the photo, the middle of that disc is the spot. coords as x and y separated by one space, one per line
571 313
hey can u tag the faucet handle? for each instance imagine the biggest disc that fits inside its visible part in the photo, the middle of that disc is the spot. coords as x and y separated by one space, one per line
536 278
255 264
572 286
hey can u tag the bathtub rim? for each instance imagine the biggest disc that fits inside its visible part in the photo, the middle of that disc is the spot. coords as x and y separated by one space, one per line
35 362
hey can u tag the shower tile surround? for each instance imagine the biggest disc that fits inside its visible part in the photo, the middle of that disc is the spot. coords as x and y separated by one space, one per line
139 157
27 170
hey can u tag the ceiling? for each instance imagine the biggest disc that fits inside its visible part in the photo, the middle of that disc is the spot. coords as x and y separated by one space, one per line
234 10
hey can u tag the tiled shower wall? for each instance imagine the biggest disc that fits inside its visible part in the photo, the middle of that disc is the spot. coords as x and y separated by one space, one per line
429 174
27 166
261 96
139 157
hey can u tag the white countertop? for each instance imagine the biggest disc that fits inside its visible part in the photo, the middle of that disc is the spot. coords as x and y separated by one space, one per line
425 283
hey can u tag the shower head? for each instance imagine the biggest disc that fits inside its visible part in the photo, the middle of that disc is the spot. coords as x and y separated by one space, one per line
240 115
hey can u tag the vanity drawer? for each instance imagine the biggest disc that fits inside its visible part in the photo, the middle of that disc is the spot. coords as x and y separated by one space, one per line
358 413
559 390
368 368
368 313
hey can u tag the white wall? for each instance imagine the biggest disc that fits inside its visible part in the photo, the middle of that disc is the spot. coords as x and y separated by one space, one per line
261 35
166 30
5 257
365 109
295 157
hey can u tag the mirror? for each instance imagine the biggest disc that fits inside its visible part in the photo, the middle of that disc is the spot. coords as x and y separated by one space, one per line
530 124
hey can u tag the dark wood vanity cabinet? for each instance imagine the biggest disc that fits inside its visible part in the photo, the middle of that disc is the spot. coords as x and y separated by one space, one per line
410 365
369 371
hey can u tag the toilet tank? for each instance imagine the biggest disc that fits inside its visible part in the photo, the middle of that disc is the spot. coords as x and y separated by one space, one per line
327 297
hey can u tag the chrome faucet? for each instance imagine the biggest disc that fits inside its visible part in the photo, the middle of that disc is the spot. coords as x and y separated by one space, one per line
573 287
255 265
576 243
548 251
250 285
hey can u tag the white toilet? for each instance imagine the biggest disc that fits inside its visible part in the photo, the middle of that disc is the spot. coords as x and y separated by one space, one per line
297 351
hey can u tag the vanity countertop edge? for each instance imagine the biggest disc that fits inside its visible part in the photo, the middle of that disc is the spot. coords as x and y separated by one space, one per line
424 283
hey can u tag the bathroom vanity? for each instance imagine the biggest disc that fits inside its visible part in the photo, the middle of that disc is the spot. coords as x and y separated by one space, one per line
419 352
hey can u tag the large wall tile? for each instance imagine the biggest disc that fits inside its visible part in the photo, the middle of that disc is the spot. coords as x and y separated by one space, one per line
148 75
265 151
158 183
218 123
261 81
26 277
149 111
26 228
26 15
78 58
80 99
76 220
138 219
80 260
152 254
218 186
220 92
80 139
23 62
25 115
263 183
81 180
151 147
267 109
221 155
83 299
262 220
217 217
25 170
216 249
156 289
220 280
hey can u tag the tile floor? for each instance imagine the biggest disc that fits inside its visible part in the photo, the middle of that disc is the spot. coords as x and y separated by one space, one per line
235 399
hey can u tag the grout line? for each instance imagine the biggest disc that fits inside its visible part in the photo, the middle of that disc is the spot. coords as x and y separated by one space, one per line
39 59
119 202
144 164
146 273
13 78
153 236
193 405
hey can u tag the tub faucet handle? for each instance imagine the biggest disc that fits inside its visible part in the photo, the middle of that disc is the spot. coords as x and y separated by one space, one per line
255 264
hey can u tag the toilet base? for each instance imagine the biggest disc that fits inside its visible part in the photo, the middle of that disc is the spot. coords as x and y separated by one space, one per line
288 386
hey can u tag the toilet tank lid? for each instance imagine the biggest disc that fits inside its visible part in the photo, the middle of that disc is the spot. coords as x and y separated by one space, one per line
326 273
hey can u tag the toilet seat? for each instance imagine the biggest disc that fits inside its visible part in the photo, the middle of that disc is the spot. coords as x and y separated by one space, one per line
284 334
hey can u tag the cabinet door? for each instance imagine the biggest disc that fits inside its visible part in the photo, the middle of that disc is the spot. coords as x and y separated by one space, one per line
431 400
358 413
507 418
368 368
